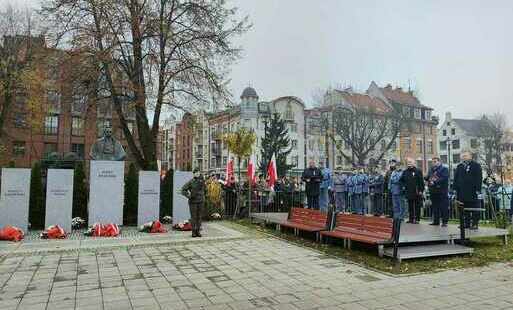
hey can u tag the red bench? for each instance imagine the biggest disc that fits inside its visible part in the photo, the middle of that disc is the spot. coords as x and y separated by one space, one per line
366 229
306 220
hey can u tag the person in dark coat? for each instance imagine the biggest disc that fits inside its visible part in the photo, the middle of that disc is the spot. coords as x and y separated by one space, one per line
195 190
414 187
438 185
468 180
312 177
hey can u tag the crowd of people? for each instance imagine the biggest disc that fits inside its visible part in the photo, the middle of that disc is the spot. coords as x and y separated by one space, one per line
400 191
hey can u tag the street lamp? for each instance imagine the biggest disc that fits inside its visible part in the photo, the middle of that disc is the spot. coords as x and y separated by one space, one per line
448 142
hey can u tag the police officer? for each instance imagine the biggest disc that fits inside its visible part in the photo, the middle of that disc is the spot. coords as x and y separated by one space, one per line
376 187
340 188
392 164
350 192
194 190
396 190
359 180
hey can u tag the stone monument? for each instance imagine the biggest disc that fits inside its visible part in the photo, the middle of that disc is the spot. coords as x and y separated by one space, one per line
149 197
180 202
14 197
59 198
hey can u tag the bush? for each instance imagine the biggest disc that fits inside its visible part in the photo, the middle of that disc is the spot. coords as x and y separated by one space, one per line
166 194
80 195
36 206
131 196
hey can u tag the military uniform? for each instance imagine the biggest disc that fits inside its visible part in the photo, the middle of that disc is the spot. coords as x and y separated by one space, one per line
376 188
339 185
194 190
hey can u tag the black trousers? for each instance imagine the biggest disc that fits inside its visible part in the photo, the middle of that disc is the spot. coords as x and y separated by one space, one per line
440 207
414 210
195 209
313 201
377 204
471 217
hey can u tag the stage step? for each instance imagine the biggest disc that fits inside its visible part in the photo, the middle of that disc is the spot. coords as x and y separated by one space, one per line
409 252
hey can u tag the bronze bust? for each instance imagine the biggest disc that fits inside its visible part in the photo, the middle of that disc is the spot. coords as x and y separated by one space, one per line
107 148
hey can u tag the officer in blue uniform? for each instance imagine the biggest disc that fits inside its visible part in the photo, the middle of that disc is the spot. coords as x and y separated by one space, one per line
340 188
325 187
377 187
359 180
350 186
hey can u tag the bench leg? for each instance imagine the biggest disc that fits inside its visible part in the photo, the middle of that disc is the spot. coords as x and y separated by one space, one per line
505 240
381 250
278 227
317 237
349 244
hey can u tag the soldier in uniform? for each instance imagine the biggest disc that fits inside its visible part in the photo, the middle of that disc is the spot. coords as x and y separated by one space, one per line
358 194
194 190
387 190
376 187
340 188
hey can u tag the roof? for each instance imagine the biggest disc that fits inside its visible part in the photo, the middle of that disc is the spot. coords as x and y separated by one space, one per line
290 98
249 92
364 101
397 95
472 127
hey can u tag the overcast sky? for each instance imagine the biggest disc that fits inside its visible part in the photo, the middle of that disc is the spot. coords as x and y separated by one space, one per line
457 54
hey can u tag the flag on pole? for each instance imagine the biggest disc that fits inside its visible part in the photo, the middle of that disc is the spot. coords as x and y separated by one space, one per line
229 172
251 172
272 175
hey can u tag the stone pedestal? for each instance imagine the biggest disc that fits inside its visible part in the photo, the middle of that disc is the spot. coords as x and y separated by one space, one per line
106 192
149 197
59 198
180 203
15 197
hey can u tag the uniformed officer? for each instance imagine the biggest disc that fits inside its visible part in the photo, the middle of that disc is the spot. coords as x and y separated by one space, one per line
376 187
194 190
340 188
358 193
364 179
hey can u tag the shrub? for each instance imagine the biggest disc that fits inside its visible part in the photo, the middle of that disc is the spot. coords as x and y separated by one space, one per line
36 206
80 195
131 196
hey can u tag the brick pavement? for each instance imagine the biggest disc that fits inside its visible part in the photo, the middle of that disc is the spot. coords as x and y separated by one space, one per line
264 273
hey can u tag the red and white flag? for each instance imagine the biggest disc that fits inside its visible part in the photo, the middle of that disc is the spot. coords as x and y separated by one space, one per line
272 175
229 172
251 172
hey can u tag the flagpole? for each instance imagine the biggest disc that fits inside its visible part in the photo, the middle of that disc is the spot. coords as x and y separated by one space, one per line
250 180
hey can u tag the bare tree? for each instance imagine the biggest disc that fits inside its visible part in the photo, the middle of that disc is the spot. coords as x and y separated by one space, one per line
151 54
363 133
492 133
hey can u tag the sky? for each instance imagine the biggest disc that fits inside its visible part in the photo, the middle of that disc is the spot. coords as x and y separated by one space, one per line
457 55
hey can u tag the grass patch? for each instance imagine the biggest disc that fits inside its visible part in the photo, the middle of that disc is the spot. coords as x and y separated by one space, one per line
486 250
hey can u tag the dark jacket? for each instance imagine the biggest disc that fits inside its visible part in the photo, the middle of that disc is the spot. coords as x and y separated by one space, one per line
438 180
387 180
377 183
312 177
467 181
413 183
194 190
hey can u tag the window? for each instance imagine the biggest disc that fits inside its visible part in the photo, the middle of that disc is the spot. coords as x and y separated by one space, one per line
104 108
443 158
49 148
51 124
54 101
225 160
453 131
428 114
78 149
18 148
293 127
294 144
340 160
79 99
289 114
295 160
101 123
417 113
456 144
444 132
407 144
77 126
474 143
430 147
311 144
419 146
455 158
443 145
20 120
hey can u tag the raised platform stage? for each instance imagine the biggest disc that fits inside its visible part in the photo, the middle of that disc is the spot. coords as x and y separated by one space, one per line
419 240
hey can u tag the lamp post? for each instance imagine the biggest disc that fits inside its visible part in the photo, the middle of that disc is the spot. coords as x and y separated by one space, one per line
448 141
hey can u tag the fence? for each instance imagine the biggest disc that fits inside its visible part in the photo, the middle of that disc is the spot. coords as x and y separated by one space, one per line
282 201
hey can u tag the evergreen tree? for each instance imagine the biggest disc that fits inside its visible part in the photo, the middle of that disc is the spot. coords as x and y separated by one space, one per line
131 196
276 141
166 194
79 192
36 206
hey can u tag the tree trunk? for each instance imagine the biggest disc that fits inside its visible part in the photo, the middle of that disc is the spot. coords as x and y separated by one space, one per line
237 207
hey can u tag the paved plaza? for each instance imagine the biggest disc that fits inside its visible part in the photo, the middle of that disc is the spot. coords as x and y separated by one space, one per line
231 271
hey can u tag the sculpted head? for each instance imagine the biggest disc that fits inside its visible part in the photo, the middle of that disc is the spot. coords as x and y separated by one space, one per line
107 131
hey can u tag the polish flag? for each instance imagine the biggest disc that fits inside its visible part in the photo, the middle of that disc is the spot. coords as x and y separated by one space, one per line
251 172
272 175
229 172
